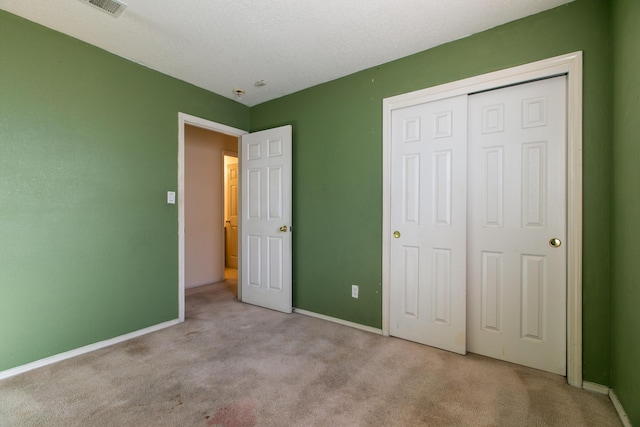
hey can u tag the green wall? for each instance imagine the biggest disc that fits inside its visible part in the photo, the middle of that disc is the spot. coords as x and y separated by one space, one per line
338 163
88 149
625 337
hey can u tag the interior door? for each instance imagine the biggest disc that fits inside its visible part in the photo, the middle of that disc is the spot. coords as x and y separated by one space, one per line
231 225
428 222
517 197
265 170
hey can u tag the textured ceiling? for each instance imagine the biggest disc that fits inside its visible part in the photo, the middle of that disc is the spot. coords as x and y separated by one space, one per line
220 45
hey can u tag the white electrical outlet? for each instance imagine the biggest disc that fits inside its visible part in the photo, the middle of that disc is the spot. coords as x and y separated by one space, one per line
354 291
171 197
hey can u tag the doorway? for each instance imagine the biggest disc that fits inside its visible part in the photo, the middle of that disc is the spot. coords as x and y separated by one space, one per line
205 204
569 65
185 120
267 160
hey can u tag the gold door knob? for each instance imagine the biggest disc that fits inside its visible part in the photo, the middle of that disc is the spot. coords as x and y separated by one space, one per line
555 242
396 234
283 228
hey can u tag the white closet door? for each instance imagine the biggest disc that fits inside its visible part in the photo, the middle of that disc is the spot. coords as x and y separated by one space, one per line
428 220
517 197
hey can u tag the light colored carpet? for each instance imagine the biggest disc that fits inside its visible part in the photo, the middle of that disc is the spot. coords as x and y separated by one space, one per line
235 365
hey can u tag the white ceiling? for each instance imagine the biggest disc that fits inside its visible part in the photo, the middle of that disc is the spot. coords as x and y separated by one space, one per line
220 45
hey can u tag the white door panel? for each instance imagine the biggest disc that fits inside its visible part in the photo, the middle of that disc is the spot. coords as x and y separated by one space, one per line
516 279
428 210
231 226
266 219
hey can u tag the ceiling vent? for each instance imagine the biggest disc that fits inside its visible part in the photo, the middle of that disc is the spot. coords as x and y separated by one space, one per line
112 7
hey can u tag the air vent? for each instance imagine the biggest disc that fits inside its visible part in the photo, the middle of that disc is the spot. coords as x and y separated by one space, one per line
112 7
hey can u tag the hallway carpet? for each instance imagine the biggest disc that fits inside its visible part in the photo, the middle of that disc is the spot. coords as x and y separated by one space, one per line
235 365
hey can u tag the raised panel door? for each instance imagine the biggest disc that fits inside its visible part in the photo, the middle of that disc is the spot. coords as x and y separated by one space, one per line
265 164
428 212
516 279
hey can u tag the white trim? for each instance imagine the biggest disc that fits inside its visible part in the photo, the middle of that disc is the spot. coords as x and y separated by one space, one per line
569 64
574 219
624 418
338 321
603 389
186 119
595 387
86 349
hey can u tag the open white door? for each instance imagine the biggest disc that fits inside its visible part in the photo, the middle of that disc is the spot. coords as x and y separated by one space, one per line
265 224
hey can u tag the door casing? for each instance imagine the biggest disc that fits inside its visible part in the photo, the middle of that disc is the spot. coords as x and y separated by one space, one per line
569 65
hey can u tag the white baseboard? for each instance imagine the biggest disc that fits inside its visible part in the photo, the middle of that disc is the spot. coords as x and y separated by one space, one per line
339 321
86 349
205 283
603 389
626 422
597 388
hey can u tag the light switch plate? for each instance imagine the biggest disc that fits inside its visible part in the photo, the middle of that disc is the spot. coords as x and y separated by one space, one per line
171 197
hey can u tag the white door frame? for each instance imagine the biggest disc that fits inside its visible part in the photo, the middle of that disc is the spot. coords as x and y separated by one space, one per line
569 65
183 120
